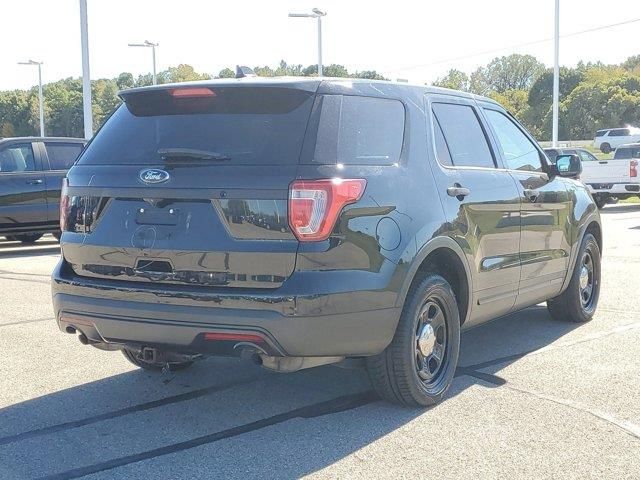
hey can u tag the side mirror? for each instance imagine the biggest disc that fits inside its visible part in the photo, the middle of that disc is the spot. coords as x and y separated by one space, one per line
568 166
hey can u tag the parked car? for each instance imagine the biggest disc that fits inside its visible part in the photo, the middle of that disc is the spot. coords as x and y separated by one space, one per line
413 212
31 173
609 139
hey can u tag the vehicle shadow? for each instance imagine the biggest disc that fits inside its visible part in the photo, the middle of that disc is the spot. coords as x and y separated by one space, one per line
256 424
13 249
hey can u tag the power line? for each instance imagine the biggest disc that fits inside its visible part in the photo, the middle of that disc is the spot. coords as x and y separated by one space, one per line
519 45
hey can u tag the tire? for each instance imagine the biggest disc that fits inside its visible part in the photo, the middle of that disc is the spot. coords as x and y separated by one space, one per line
395 373
28 237
605 148
133 357
578 303
600 201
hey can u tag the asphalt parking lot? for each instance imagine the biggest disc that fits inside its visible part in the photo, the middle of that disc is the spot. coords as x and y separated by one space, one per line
533 398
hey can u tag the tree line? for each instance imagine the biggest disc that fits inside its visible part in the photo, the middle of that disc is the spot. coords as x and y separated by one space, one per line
592 95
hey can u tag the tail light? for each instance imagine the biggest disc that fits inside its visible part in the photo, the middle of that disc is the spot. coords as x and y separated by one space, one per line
314 205
78 213
64 205
633 168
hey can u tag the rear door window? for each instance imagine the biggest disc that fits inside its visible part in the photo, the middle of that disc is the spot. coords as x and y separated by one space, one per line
355 130
601 133
232 125
518 151
17 158
463 135
62 155
627 153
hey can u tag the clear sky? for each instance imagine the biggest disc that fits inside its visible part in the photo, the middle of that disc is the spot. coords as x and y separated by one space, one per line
382 35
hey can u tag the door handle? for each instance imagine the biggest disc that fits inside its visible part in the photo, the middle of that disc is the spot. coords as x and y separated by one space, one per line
37 181
531 194
458 191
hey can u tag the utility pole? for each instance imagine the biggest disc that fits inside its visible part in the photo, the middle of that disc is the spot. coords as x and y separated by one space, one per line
318 14
556 75
86 76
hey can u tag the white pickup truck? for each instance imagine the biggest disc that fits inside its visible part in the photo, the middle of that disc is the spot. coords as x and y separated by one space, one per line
608 180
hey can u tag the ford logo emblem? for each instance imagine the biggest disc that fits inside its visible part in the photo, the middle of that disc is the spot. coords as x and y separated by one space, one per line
153 175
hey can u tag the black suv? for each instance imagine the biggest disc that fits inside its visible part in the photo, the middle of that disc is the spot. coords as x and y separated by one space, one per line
298 222
31 173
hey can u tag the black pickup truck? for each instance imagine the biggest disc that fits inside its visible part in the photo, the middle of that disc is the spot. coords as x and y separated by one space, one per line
31 173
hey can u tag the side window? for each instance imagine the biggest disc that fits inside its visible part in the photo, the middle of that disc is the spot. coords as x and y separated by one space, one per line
519 152
62 155
463 135
359 131
17 158
620 132
442 150
586 156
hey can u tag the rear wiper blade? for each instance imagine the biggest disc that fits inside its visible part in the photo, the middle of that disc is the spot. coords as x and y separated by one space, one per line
191 153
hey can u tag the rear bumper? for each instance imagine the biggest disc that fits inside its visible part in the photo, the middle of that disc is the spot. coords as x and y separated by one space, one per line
290 325
615 188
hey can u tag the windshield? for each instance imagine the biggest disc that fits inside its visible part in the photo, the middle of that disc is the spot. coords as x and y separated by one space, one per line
242 125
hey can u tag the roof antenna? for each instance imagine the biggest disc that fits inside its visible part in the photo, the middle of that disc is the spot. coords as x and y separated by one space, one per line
242 72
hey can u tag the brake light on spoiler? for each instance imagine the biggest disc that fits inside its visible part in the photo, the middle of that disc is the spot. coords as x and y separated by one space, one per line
314 205
191 92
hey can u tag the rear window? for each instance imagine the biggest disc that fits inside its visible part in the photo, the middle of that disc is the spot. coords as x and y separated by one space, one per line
627 153
356 130
62 155
236 125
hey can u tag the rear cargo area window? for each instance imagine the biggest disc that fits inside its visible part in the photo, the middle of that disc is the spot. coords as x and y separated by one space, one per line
359 130
226 125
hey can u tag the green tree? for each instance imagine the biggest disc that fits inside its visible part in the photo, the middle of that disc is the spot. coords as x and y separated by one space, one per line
125 80
226 73
513 72
454 79
601 103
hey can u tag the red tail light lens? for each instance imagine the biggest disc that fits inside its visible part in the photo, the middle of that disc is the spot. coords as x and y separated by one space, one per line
64 205
191 92
633 168
314 205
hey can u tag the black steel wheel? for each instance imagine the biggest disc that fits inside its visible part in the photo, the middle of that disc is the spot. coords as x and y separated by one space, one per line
579 301
418 366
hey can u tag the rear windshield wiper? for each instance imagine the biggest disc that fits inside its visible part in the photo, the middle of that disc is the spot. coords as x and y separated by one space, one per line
176 153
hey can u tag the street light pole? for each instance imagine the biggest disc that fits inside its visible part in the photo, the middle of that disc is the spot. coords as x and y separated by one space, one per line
556 75
153 46
316 13
320 44
86 76
40 96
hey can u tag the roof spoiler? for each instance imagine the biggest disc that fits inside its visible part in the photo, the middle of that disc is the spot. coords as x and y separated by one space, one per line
242 72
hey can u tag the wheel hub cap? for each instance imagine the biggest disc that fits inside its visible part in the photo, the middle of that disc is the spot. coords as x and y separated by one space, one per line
426 340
